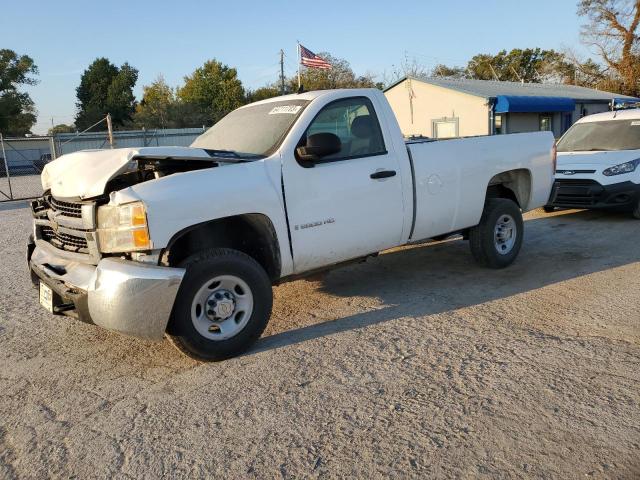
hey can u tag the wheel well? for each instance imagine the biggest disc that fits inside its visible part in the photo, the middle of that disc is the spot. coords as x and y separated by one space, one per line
252 234
514 185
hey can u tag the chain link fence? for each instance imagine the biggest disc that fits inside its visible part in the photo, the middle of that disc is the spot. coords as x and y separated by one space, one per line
22 159
21 163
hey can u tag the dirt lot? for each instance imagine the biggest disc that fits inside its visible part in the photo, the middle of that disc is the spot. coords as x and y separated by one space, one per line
414 364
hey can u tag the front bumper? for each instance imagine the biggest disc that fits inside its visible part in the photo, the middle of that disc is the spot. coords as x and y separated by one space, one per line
128 297
590 194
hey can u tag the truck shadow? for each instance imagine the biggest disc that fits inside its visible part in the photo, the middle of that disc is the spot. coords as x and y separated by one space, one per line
441 277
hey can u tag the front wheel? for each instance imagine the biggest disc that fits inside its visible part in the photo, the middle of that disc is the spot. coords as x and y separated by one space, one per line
636 211
223 305
495 242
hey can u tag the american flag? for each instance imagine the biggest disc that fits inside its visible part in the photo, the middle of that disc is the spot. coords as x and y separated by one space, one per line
310 59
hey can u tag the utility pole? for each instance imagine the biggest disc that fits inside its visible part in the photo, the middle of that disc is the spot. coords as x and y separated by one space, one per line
110 130
281 72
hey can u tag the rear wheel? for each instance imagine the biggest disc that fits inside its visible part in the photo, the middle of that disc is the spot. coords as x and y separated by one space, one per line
223 305
495 242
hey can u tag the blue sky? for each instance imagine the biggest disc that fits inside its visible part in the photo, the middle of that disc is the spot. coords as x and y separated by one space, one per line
173 38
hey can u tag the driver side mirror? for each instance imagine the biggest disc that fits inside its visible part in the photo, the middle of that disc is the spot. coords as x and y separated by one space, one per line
319 145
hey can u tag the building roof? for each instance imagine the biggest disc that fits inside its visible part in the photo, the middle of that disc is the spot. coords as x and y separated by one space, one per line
490 89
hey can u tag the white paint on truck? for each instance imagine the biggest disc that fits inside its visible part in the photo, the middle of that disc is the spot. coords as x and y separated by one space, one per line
373 192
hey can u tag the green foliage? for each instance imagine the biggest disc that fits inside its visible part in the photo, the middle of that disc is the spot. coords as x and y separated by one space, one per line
104 88
214 90
446 71
156 108
530 65
263 93
17 110
61 128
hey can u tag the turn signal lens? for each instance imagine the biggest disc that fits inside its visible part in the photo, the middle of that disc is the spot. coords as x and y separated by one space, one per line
141 238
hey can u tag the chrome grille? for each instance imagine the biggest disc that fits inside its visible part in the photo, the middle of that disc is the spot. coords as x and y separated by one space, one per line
68 209
64 240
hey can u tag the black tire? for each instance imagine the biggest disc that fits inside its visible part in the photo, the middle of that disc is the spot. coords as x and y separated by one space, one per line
201 267
636 211
549 209
482 238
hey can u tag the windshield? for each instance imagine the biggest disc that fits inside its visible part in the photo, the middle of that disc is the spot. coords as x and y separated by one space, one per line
252 131
607 135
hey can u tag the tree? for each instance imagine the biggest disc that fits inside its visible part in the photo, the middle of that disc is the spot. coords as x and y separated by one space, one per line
263 93
214 89
531 65
17 110
339 76
612 29
61 128
104 88
157 106
450 72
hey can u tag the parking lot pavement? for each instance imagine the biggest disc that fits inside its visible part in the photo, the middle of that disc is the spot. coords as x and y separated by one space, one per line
414 364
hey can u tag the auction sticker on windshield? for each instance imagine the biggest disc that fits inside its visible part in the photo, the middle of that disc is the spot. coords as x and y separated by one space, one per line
291 109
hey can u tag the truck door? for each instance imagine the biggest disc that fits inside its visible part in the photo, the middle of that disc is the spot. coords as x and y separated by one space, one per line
348 204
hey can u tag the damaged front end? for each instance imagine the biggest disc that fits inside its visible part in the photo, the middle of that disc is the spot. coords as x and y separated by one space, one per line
98 278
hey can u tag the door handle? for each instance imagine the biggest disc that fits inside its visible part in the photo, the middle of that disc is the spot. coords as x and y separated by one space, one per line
383 174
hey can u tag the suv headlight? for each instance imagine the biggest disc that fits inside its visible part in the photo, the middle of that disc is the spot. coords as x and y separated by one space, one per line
123 228
622 168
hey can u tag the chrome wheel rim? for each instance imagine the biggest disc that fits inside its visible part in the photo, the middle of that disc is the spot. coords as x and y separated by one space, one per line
505 234
222 307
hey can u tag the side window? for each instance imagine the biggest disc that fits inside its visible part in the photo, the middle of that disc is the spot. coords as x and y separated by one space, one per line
354 121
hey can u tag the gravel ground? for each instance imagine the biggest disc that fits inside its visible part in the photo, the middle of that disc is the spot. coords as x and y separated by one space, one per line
414 364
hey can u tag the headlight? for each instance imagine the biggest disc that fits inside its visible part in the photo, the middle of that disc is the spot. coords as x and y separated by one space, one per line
622 168
123 228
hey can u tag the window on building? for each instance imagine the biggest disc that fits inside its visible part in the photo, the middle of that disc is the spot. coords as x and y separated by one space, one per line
545 123
445 128
498 122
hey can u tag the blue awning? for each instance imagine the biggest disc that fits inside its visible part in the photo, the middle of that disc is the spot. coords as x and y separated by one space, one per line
508 103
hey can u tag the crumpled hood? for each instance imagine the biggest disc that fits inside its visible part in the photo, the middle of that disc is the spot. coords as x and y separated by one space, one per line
85 174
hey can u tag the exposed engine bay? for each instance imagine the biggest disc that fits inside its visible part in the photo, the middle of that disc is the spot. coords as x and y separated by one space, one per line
152 167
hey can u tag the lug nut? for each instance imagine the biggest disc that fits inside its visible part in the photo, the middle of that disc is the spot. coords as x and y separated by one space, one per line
210 312
211 303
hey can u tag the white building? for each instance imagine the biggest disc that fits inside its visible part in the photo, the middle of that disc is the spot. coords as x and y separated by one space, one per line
448 107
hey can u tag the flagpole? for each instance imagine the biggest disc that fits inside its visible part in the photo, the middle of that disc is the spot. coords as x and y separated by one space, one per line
299 60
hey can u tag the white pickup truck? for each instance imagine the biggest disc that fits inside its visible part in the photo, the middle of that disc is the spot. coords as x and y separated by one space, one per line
187 242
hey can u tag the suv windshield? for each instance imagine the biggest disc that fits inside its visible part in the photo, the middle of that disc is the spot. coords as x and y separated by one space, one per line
252 131
607 135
